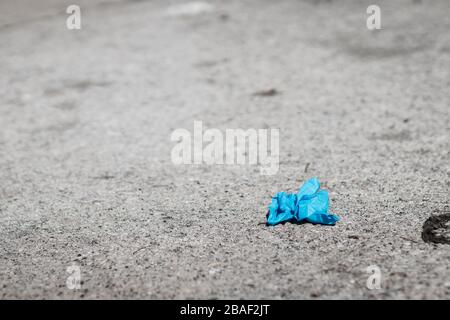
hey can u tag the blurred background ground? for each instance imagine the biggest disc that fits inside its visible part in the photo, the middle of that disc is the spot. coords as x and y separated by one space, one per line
86 176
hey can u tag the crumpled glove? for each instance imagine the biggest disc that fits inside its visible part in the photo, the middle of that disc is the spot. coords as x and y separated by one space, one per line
309 204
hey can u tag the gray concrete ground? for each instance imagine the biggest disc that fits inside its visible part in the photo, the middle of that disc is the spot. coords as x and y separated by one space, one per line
86 176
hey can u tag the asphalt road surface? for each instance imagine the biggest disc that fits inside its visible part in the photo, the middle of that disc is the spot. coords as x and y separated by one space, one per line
87 181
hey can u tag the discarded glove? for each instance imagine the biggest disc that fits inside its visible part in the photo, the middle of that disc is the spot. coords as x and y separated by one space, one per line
310 204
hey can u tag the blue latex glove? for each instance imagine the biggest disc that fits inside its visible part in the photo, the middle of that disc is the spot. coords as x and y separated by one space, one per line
309 204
